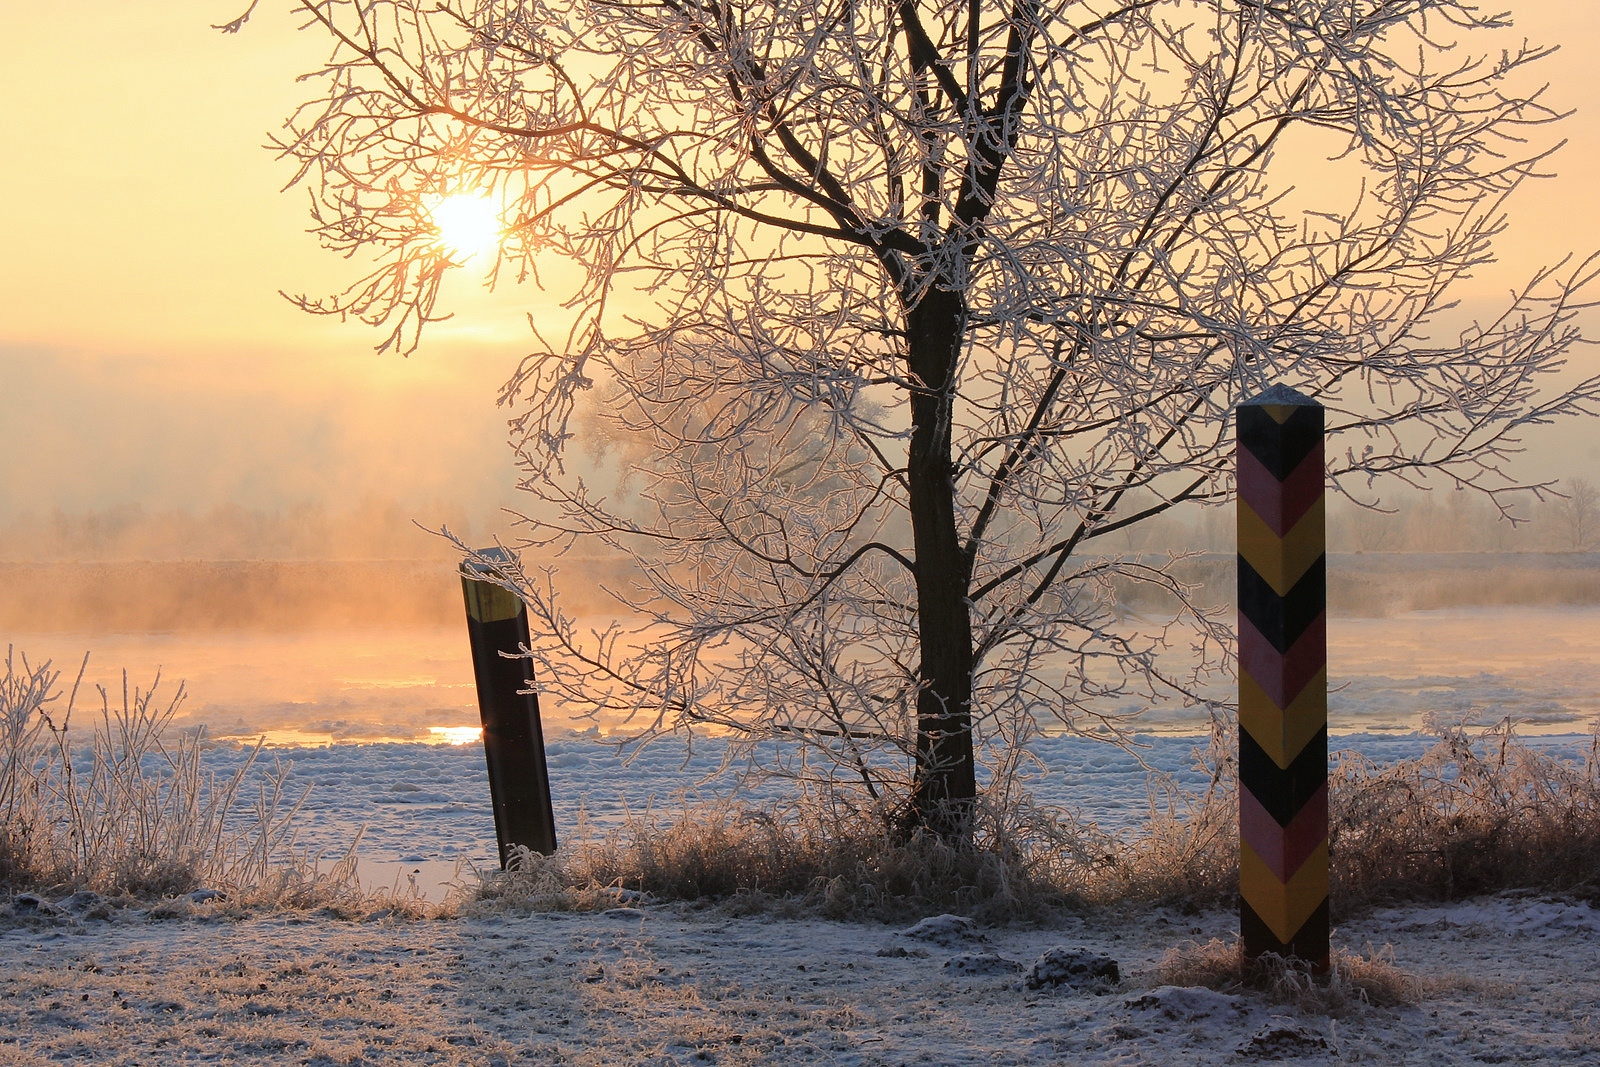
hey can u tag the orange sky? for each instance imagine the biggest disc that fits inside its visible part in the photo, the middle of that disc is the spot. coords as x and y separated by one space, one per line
145 353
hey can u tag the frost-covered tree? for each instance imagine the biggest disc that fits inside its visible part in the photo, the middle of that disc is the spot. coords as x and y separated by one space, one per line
1579 509
906 306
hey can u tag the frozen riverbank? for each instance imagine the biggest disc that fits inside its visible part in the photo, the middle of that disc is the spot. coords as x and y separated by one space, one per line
425 807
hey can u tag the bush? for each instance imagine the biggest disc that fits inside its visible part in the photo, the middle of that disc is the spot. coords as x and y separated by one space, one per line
1474 814
129 808
804 858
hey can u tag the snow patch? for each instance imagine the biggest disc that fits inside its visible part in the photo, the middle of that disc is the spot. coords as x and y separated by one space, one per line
1521 917
1188 1004
1279 1039
1076 968
944 930
980 965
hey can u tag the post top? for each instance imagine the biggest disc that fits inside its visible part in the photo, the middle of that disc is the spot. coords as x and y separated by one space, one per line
483 567
1280 396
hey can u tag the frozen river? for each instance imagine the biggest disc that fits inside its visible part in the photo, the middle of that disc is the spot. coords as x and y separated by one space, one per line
353 711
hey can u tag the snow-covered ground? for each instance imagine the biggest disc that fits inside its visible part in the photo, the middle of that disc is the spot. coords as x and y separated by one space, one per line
1507 980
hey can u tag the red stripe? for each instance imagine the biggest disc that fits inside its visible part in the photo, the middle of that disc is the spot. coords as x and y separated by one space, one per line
1280 504
1283 848
1282 676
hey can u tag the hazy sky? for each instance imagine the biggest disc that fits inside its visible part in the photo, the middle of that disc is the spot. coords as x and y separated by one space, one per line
145 352
145 355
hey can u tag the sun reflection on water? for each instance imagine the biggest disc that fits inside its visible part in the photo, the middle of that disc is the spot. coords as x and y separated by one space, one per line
454 735
300 737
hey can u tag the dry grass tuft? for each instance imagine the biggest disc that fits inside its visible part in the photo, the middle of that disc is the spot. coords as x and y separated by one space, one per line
125 807
804 859
1476 813
127 810
1352 981
299 883
1186 855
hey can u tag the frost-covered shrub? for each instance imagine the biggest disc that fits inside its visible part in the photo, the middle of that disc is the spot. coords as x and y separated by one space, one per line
804 857
1475 813
127 804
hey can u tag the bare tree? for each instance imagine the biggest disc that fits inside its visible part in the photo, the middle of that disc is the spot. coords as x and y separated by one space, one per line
1580 511
912 303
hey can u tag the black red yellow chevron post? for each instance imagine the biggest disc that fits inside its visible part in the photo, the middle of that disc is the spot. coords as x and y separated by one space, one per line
513 738
1283 678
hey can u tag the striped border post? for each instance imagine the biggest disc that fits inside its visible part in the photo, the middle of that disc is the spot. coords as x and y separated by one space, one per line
513 739
1283 678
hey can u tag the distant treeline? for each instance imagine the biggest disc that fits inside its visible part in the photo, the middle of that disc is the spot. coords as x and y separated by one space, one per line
1442 521
125 569
123 596
1388 583
143 596
367 529
1413 521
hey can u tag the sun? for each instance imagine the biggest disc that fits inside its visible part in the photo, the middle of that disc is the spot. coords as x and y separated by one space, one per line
468 224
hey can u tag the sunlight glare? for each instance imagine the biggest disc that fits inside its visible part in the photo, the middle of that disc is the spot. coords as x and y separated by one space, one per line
454 735
467 223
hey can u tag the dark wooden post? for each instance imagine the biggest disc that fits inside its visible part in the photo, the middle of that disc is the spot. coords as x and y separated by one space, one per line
1283 678
513 740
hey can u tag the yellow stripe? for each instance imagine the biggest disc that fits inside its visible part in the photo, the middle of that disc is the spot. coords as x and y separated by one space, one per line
1280 412
487 602
1284 908
1282 734
1282 561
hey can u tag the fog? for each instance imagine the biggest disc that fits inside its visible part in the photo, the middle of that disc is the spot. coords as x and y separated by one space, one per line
82 433
195 476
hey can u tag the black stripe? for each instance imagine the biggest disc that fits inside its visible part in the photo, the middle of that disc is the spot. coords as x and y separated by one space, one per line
1283 792
1282 619
1309 943
1280 447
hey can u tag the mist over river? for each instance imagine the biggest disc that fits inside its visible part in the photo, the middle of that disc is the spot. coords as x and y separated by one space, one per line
320 652
1540 665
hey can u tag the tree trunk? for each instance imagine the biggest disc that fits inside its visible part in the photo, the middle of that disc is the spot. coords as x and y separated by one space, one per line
945 785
